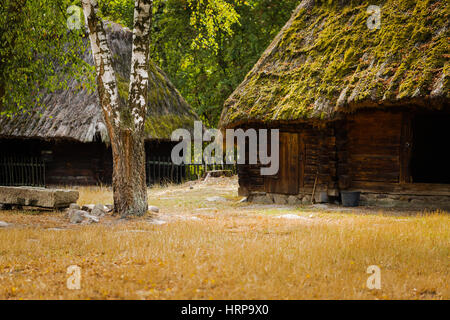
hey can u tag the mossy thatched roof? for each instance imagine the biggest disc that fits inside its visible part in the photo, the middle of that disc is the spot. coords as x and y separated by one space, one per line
326 61
76 114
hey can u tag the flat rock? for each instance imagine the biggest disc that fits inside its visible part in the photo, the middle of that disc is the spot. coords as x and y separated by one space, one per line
216 199
3 224
293 200
280 199
76 216
262 199
38 197
91 218
157 222
153 209
306 200
99 210
194 218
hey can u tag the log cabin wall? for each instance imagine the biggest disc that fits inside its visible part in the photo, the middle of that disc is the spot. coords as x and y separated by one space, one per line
377 154
316 155
383 149
75 163
371 149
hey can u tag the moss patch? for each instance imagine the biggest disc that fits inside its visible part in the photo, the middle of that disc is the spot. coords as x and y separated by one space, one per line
162 126
326 59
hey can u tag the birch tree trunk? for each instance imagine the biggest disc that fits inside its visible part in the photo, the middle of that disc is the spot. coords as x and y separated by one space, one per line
127 136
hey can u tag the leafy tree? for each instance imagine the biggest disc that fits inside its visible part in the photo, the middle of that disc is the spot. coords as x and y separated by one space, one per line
126 121
35 42
205 47
206 75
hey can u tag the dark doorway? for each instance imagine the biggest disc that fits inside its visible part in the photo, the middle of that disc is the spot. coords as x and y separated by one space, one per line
430 162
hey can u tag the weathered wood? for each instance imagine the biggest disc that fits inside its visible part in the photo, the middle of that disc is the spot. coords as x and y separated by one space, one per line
373 146
287 180
408 189
406 145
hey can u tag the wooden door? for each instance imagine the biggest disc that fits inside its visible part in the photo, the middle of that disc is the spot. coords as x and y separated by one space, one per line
288 177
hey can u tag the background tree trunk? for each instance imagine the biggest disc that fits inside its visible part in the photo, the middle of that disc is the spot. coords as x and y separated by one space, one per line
127 137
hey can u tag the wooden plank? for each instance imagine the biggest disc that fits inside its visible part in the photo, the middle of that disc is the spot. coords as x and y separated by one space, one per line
373 147
406 145
287 180
302 159
406 189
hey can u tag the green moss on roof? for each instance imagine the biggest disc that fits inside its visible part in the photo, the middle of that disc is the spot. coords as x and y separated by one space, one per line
164 125
76 114
167 110
326 60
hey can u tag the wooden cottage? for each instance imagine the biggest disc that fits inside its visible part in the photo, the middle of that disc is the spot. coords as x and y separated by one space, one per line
358 108
65 142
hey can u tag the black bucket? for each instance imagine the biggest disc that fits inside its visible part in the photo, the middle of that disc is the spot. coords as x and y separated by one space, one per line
350 198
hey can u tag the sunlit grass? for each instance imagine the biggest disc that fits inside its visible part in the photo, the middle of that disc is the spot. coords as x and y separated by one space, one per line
236 251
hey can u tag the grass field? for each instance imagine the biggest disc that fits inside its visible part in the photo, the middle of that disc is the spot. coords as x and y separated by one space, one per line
225 250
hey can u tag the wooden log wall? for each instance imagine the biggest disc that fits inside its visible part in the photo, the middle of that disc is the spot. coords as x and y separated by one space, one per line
368 151
317 156
320 159
75 163
373 146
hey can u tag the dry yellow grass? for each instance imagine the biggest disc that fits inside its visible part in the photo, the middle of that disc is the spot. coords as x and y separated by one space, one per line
234 251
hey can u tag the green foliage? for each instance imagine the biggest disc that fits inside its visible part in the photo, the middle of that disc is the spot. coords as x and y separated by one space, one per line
120 11
35 42
206 72
207 46
210 18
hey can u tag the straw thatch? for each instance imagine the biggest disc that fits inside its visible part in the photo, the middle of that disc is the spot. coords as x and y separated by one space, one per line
326 61
76 114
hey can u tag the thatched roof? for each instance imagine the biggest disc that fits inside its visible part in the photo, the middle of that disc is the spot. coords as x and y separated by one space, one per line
76 114
326 62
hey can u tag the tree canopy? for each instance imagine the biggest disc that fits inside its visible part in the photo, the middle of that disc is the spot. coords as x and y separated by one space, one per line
35 41
205 46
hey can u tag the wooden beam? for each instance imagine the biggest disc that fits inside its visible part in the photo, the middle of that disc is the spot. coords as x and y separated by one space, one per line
406 141
428 189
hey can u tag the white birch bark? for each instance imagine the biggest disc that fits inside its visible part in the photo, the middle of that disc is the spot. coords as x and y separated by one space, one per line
106 79
137 98
127 139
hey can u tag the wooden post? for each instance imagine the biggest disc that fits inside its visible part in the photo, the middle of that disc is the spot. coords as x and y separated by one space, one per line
406 144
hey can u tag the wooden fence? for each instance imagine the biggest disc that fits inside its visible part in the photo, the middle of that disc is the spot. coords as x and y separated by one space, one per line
161 170
20 170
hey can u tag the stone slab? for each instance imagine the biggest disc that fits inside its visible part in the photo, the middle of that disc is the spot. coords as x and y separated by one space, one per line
38 197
